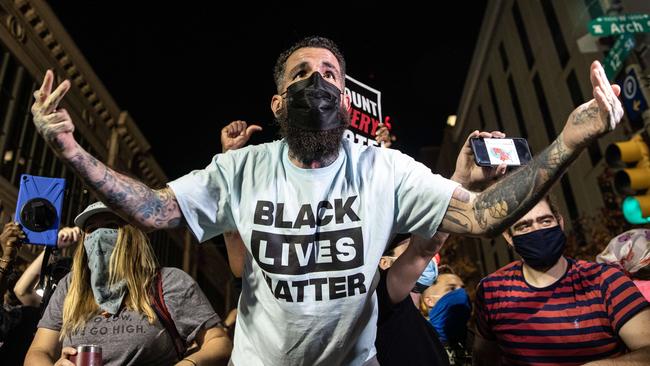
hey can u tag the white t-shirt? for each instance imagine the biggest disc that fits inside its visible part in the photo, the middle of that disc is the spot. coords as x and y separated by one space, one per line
314 238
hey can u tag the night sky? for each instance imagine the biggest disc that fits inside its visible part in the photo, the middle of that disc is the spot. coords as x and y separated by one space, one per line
184 73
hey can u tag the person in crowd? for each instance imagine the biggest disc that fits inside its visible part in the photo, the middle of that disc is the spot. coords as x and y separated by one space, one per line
26 287
11 240
447 307
22 318
118 297
399 338
403 336
446 282
630 252
11 315
551 309
334 203
235 135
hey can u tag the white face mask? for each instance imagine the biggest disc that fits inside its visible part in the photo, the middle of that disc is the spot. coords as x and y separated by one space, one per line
99 247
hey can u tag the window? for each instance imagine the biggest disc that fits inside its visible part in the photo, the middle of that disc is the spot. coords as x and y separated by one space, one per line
523 35
495 104
568 197
517 107
504 57
543 108
556 32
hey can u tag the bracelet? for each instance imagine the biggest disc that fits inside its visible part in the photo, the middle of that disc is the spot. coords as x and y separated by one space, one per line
5 260
189 360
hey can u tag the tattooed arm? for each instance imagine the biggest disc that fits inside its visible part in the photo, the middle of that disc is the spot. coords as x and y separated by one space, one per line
495 209
132 199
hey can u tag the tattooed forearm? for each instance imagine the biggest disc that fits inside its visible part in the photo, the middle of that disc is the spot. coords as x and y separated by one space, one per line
461 194
148 208
457 216
586 113
499 206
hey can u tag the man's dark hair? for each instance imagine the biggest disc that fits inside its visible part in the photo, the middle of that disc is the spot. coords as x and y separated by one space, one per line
394 243
551 204
312 41
444 269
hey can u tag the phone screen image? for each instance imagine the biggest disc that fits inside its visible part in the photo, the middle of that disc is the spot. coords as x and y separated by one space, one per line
494 152
502 151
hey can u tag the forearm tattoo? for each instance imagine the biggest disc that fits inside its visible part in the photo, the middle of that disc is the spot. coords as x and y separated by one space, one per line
586 114
498 207
155 209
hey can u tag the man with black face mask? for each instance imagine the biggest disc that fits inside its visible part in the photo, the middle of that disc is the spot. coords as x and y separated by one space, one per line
315 211
548 308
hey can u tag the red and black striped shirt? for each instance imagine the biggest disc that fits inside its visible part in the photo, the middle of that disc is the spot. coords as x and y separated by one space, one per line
573 321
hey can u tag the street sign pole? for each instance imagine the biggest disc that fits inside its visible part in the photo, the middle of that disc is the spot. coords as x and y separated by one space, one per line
617 54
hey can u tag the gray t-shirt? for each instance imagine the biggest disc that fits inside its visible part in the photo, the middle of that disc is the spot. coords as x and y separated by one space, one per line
128 338
314 238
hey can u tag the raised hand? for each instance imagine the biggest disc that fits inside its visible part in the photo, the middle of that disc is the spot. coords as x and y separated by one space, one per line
236 134
383 135
11 238
52 122
68 236
596 117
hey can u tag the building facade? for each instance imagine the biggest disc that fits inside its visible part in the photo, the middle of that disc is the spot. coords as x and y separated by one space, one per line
530 69
33 40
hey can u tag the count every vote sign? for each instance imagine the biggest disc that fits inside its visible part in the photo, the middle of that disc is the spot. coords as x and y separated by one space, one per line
365 112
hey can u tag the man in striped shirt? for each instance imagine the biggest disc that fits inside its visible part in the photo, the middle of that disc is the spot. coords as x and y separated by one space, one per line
549 309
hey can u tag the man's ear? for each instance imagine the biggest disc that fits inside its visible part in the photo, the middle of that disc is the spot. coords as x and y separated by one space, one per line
384 263
428 301
507 236
347 103
560 220
276 104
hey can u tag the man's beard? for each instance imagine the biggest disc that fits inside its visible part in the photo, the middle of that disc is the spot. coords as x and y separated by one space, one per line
312 146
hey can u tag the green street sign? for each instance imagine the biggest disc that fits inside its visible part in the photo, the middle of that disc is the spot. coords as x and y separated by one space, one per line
621 24
617 54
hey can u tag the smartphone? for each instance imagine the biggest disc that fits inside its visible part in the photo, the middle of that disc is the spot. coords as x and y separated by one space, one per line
513 151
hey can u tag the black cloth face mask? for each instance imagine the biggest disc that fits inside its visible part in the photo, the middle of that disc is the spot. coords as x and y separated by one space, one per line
314 104
542 248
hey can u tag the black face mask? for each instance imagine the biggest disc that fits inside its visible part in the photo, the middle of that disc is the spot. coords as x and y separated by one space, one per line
541 249
314 104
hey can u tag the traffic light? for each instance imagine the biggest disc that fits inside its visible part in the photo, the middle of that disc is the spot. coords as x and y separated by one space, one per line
633 156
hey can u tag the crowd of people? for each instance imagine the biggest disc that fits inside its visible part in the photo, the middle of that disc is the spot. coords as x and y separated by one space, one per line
328 275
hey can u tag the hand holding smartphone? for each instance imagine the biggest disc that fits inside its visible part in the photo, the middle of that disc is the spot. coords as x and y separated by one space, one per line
496 151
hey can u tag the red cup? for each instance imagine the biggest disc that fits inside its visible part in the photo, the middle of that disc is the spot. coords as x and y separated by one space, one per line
88 355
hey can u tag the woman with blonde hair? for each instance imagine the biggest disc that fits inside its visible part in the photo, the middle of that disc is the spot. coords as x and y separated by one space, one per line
117 297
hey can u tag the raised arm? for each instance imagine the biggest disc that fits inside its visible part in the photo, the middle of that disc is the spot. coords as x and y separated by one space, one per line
490 212
234 136
10 239
24 288
406 270
408 267
132 199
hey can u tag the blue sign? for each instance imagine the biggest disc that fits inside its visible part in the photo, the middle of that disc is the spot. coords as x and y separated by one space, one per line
633 99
